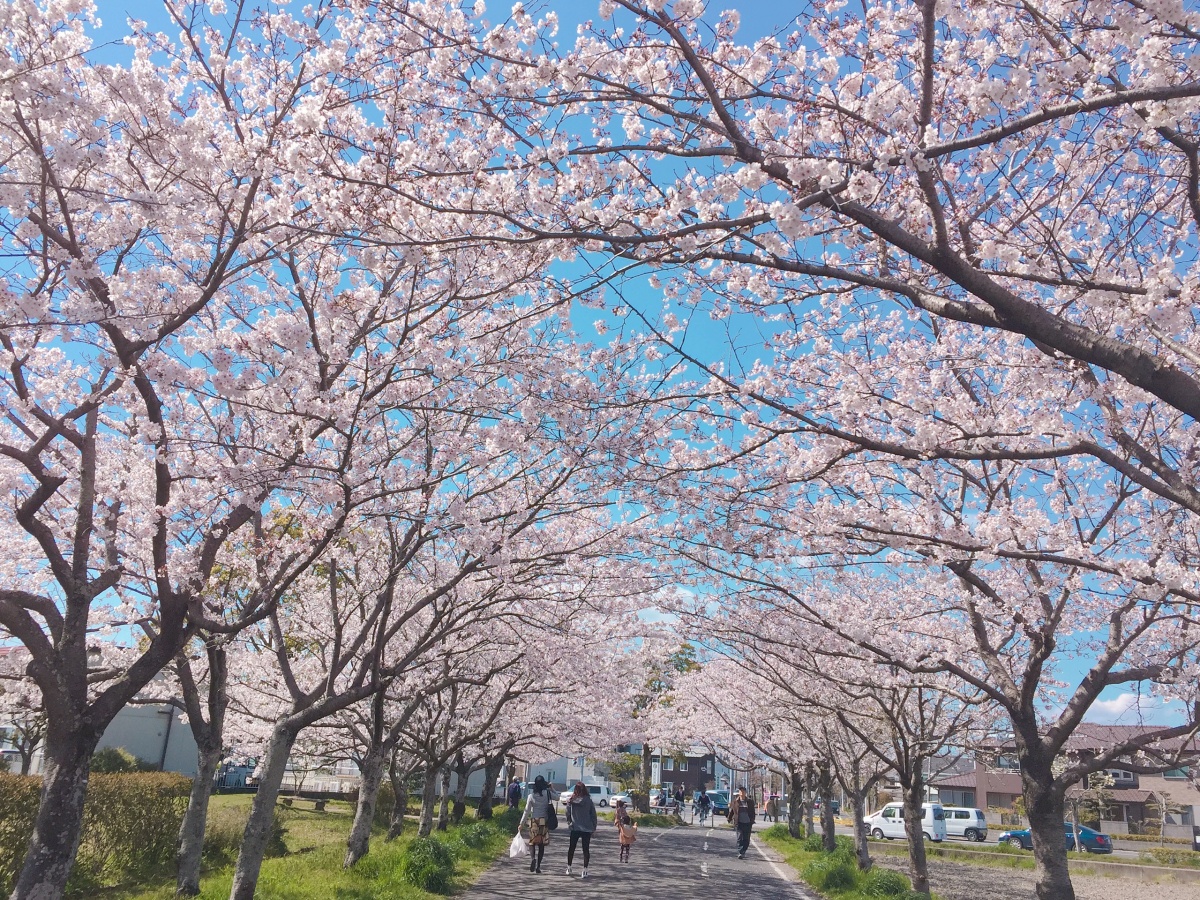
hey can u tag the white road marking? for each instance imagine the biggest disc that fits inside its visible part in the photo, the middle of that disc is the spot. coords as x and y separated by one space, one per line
704 870
665 833
778 871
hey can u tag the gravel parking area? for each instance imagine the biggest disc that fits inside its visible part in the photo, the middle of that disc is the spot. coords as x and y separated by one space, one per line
959 881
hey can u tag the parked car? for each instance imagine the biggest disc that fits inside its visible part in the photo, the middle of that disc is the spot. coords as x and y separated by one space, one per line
1093 841
965 823
627 796
602 794
889 822
835 805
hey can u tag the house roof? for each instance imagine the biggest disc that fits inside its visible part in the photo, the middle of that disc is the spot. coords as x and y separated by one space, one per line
1094 737
964 780
1119 795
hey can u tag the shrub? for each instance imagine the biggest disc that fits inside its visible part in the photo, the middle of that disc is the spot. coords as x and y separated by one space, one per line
130 827
19 796
777 831
831 873
428 864
814 843
884 883
1171 856
117 760
1152 839
845 845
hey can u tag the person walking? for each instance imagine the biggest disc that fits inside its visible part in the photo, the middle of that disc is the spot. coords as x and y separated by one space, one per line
536 811
581 819
626 830
741 814
514 794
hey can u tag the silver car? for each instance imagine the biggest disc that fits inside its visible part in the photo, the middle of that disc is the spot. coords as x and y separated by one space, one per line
965 823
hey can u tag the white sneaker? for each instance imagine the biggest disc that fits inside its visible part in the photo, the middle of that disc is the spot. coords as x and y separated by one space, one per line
584 875
568 870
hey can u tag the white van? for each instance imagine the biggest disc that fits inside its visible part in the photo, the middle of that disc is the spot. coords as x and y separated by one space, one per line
602 794
889 822
965 823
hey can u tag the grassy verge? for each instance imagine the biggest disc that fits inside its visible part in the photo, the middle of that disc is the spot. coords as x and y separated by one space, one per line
836 874
656 820
312 848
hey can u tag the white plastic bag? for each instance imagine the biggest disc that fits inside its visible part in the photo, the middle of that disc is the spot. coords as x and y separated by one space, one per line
518 847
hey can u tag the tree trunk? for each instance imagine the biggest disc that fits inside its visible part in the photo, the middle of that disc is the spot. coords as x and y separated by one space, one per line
191 830
462 772
491 771
1045 808
796 802
359 842
56 830
443 820
825 786
914 828
808 800
262 813
643 803
428 799
862 850
399 780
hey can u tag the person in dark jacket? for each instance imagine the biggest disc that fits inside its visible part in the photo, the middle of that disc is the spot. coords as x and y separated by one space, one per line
741 814
514 794
581 819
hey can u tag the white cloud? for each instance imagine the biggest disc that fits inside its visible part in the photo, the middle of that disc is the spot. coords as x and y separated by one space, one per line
1128 709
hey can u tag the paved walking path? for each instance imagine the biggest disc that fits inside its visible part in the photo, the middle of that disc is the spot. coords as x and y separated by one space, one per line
689 862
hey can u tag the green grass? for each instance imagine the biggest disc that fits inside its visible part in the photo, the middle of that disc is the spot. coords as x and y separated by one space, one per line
315 845
655 820
836 875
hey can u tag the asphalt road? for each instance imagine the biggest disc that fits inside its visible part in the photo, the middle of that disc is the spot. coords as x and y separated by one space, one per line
682 863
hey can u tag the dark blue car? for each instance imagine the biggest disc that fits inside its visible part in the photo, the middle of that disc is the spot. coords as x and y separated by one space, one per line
1093 841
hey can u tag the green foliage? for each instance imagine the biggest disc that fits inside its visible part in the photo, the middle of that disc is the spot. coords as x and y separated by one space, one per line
18 808
832 872
475 834
813 843
1154 839
130 826
776 831
884 883
655 820
627 769
428 864
117 760
1172 856
223 832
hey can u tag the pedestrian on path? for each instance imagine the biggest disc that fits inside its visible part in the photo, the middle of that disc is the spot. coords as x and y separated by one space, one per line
581 819
514 794
536 811
626 830
741 814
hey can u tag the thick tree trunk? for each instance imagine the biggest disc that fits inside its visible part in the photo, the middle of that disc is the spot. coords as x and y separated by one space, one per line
1044 805
399 780
462 772
359 842
59 820
191 830
491 771
918 865
796 802
262 813
428 800
643 803
443 820
825 785
862 849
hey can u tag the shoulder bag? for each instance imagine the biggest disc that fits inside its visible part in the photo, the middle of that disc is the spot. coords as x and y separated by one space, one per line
551 812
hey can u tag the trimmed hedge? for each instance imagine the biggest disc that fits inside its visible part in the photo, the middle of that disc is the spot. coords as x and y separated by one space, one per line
130 827
1151 839
1171 856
